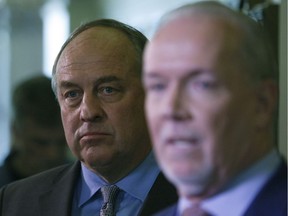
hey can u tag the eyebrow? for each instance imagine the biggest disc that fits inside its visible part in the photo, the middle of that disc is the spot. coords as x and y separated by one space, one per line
192 73
66 84
151 75
104 79
107 79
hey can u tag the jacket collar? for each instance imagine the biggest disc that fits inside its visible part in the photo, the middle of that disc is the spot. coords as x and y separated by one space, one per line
58 198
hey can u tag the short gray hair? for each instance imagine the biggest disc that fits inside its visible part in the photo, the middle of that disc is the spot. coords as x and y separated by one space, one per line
255 47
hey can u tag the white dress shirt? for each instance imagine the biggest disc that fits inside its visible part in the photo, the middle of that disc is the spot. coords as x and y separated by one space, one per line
239 194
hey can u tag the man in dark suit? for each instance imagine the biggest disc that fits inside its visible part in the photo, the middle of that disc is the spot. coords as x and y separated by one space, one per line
211 99
97 81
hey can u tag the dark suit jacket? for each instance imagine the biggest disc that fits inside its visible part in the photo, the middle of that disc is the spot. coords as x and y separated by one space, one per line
7 174
270 201
51 194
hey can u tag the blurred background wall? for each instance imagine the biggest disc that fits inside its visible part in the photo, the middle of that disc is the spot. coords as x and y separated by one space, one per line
32 32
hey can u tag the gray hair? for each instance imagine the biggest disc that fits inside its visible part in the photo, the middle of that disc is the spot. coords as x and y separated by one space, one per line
254 46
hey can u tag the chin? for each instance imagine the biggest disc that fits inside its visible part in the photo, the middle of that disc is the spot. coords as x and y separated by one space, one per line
188 181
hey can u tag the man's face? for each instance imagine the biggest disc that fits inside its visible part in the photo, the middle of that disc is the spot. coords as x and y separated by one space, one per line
40 147
102 101
200 104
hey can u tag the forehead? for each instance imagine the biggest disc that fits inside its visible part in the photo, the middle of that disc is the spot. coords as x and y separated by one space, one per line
95 45
207 31
194 39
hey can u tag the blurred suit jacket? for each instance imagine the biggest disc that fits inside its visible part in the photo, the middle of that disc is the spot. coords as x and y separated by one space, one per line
51 194
270 201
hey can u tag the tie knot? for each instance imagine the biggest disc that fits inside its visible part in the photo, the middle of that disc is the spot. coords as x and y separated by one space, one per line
109 193
195 210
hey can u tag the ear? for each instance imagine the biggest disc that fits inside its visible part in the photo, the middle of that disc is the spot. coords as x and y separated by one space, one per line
15 135
267 102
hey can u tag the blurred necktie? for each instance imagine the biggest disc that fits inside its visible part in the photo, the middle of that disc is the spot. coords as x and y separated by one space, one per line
195 210
109 194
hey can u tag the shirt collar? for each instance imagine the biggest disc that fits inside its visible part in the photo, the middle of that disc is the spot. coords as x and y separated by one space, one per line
146 173
241 191
139 182
89 184
244 188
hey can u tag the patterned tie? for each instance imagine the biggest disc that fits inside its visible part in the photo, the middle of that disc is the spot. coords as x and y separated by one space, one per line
109 194
195 210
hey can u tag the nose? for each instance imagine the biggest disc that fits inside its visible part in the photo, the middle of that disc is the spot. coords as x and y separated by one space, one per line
176 105
91 108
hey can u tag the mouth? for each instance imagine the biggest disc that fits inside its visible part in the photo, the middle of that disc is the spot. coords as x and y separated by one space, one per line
181 135
195 141
93 135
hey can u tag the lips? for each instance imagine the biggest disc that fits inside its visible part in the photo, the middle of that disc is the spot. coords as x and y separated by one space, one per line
179 134
91 132
195 140
92 135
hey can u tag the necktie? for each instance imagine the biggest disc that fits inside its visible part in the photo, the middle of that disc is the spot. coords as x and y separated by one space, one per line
195 210
109 194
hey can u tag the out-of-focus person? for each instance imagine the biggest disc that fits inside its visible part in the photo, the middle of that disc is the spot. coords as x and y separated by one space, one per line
211 101
37 136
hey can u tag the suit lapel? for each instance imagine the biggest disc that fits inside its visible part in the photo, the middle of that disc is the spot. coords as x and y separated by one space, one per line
57 201
272 199
58 198
170 211
161 195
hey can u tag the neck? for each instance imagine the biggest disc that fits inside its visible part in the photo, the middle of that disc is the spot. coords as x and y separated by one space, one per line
118 170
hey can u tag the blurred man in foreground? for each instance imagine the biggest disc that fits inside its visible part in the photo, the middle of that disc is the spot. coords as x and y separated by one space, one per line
211 100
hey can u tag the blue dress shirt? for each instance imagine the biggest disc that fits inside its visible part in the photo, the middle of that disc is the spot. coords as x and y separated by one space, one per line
135 187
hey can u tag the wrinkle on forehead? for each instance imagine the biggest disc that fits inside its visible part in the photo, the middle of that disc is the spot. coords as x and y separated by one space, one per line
95 46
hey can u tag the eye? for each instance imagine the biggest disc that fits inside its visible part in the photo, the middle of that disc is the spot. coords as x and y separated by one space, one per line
205 84
110 93
107 90
155 86
40 142
71 94
72 97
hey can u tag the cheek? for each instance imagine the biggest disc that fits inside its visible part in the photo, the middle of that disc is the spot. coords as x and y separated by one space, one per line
227 135
65 121
68 124
127 117
215 124
152 117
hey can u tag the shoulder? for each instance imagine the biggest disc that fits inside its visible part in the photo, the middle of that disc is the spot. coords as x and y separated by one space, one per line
272 198
161 195
52 190
169 211
277 184
6 175
39 182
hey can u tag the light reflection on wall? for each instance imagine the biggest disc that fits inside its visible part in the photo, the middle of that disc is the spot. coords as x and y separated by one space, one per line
55 31
5 56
